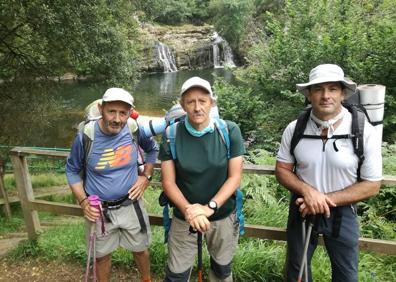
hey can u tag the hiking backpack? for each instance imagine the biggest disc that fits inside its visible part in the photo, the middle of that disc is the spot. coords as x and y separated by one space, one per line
222 129
359 115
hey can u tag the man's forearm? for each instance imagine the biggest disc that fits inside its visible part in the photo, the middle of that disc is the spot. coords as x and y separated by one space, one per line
78 192
175 195
290 181
355 193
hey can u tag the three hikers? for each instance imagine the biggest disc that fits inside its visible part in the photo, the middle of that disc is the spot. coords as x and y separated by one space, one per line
325 175
329 158
103 162
200 176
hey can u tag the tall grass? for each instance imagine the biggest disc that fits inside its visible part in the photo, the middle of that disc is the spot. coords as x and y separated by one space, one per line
38 180
255 259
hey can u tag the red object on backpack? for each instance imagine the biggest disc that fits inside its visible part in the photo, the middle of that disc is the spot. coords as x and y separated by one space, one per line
134 114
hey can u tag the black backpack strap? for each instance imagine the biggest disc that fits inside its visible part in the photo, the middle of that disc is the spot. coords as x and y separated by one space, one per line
358 119
87 145
299 129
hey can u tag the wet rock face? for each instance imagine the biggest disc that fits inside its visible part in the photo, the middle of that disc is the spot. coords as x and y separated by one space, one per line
192 46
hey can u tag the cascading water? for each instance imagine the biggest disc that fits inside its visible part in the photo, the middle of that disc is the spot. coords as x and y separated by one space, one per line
222 53
166 57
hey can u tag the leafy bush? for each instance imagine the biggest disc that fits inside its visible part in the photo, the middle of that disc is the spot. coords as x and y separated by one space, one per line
169 11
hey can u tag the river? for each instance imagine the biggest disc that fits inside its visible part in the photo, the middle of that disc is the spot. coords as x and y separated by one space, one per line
54 125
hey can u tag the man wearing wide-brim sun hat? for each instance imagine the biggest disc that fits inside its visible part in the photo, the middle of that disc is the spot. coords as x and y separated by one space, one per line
328 73
322 173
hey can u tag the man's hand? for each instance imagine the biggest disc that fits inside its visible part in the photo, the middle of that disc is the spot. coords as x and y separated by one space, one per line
200 223
197 215
192 211
137 190
90 213
315 202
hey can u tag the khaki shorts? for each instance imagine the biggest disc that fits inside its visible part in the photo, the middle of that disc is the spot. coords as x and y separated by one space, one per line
221 240
123 231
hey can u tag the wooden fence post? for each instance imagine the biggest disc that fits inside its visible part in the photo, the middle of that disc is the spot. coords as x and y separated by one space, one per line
3 193
25 191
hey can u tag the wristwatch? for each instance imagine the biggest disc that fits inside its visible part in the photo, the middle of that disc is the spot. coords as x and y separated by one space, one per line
212 205
148 176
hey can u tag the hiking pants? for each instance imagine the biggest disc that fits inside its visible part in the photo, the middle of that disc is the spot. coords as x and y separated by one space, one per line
343 250
221 241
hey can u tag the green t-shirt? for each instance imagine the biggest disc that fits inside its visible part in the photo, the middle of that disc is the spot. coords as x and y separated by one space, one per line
202 165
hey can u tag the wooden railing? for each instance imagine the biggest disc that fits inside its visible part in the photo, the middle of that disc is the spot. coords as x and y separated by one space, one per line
31 206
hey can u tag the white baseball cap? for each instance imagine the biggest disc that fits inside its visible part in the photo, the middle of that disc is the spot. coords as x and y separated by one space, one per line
327 73
118 94
196 81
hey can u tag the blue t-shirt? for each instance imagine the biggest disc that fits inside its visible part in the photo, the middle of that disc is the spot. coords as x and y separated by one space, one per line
112 165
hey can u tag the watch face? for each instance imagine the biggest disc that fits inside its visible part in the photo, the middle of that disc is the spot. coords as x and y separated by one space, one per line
212 205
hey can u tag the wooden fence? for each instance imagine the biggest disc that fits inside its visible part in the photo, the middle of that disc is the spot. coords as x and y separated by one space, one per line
31 206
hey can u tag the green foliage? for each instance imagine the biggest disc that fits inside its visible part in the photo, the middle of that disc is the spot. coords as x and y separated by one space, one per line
10 225
258 260
244 107
359 36
376 226
38 180
231 17
260 118
169 11
50 38
389 158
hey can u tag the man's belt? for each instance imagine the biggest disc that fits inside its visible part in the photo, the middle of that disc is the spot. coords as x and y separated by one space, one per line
125 201
116 204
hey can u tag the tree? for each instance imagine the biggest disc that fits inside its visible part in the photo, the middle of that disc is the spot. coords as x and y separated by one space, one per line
49 38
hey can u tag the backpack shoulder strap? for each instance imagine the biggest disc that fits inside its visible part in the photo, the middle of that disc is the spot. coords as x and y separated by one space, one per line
170 132
298 133
132 126
358 120
88 136
222 128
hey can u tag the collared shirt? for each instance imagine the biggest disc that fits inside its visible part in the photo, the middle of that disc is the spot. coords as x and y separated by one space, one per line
326 169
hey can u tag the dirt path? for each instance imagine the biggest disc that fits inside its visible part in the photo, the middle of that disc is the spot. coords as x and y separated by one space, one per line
36 270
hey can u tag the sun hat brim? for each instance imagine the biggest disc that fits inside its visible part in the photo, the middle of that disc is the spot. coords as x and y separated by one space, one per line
350 86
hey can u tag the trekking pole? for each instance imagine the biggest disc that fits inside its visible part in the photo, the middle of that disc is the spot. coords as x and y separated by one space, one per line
199 246
305 250
303 241
93 202
200 267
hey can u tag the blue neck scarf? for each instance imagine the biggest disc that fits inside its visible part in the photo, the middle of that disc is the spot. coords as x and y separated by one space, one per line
198 133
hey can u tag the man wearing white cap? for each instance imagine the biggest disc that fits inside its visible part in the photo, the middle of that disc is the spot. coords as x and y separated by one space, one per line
200 180
322 174
108 160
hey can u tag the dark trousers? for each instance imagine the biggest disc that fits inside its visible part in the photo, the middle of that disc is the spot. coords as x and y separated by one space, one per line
343 250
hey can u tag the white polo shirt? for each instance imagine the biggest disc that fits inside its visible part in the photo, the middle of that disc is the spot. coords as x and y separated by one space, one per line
326 169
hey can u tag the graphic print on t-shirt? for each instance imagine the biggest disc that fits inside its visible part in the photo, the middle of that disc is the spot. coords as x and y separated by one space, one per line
110 158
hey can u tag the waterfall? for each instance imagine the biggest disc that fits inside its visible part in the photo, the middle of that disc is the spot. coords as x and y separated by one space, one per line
166 57
222 53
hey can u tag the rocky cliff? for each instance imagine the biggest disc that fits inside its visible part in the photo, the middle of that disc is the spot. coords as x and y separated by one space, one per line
191 46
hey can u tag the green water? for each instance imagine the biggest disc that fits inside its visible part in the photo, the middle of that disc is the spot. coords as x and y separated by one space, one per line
46 114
